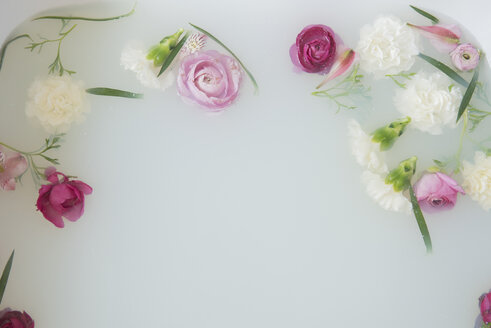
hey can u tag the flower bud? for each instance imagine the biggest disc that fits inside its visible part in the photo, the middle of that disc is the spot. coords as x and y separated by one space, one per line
400 177
159 52
388 134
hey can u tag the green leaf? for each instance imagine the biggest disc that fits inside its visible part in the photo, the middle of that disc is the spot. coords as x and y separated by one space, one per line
468 94
425 14
173 54
51 160
113 93
421 221
5 275
230 52
64 18
7 43
445 69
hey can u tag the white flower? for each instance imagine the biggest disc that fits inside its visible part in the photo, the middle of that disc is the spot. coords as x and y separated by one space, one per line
384 194
134 58
477 179
430 102
387 47
366 152
57 102
193 44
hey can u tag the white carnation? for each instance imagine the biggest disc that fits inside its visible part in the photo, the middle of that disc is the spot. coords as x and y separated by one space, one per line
388 46
366 152
477 179
430 102
134 58
384 194
57 102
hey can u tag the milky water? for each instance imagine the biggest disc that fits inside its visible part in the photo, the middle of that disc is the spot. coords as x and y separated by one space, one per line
255 217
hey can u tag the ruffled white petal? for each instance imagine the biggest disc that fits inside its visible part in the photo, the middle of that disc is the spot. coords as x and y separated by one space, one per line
366 152
477 179
384 194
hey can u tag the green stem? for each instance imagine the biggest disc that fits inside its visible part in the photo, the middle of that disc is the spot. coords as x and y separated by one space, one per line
461 141
88 18
7 43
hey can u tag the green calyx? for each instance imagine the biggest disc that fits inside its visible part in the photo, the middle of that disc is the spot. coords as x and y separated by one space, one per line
400 177
159 52
388 134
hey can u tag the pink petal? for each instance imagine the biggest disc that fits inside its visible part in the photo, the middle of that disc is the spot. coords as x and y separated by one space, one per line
450 182
82 186
342 64
61 193
444 39
44 206
76 211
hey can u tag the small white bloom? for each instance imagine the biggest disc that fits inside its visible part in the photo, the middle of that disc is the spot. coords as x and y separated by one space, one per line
477 179
193 44
384 194
57 102
367 153
430 102
134 58
388 46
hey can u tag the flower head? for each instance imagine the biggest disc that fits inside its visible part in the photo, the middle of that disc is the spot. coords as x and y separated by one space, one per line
431 101
366 152
15 319
477 179
193 44
388 46
57 102
465 57
384 194
485 306
12 165
436 192
443 38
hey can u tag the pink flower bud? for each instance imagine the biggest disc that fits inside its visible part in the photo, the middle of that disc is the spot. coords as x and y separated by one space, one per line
436 192
465 57
443 38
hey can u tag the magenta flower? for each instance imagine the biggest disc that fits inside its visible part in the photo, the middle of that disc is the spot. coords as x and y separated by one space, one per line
12 165
209 79
315 49
62 198
465 57
15 319
443 38
436 192
342 64
485 305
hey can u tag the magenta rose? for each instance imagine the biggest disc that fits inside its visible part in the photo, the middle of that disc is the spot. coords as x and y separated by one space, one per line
15 319
315 49
436 192
485 305
209 79
62 198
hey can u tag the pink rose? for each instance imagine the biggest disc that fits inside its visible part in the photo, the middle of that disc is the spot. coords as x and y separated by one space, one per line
209 79
485 305
62 198
436 192
465 57
15 319
315 49
12 165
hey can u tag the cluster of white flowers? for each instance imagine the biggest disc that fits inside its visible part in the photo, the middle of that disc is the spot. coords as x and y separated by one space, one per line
477 179
388 46
431 102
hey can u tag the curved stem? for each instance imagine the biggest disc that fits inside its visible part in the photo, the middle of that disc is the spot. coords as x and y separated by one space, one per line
7 43
88 18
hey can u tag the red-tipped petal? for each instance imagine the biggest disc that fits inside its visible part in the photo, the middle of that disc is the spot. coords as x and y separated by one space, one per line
443 38
342 64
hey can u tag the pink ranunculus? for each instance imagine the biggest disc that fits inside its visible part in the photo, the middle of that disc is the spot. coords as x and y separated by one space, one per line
209 79
485 305
15 319
12 165
315 49
62 198
436 192
465 57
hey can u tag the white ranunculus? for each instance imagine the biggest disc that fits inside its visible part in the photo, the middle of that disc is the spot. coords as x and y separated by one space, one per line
384 194
477 179
57 102
388 46
366 152
430 101
134 58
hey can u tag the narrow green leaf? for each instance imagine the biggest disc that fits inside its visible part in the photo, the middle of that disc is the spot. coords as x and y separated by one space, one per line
421 221
468 94
173 54
230 52
425 14
445 69
113 93
5 275
7 43
63 18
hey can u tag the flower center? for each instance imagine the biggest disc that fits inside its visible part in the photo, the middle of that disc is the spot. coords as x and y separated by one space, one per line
438 202
466 56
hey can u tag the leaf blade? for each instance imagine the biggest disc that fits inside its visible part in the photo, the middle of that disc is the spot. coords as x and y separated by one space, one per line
5 275
466 99
113 93
105 19
423 228
425 14
7 43
173 54
444 69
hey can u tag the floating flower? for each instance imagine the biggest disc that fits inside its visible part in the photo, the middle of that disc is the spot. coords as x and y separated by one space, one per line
62 198
436 192
366 152
384 194
12 165
477 179
388 46
431 101
15 319
465 57
57 102
388 135
209 79
485 306
443 38
134 58
315 49
342 64
193 44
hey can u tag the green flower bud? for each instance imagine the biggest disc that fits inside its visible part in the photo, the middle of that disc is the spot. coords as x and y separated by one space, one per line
159 52
400 177
388 134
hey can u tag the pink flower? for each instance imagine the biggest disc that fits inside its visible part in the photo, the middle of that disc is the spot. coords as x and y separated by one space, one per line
443 38
485 305
62 198
315 49
12 165
209 79
465 57
342 64
436 192
15 319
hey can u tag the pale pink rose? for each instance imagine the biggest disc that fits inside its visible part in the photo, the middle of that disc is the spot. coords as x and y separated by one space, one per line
12 165
436 192
465 57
